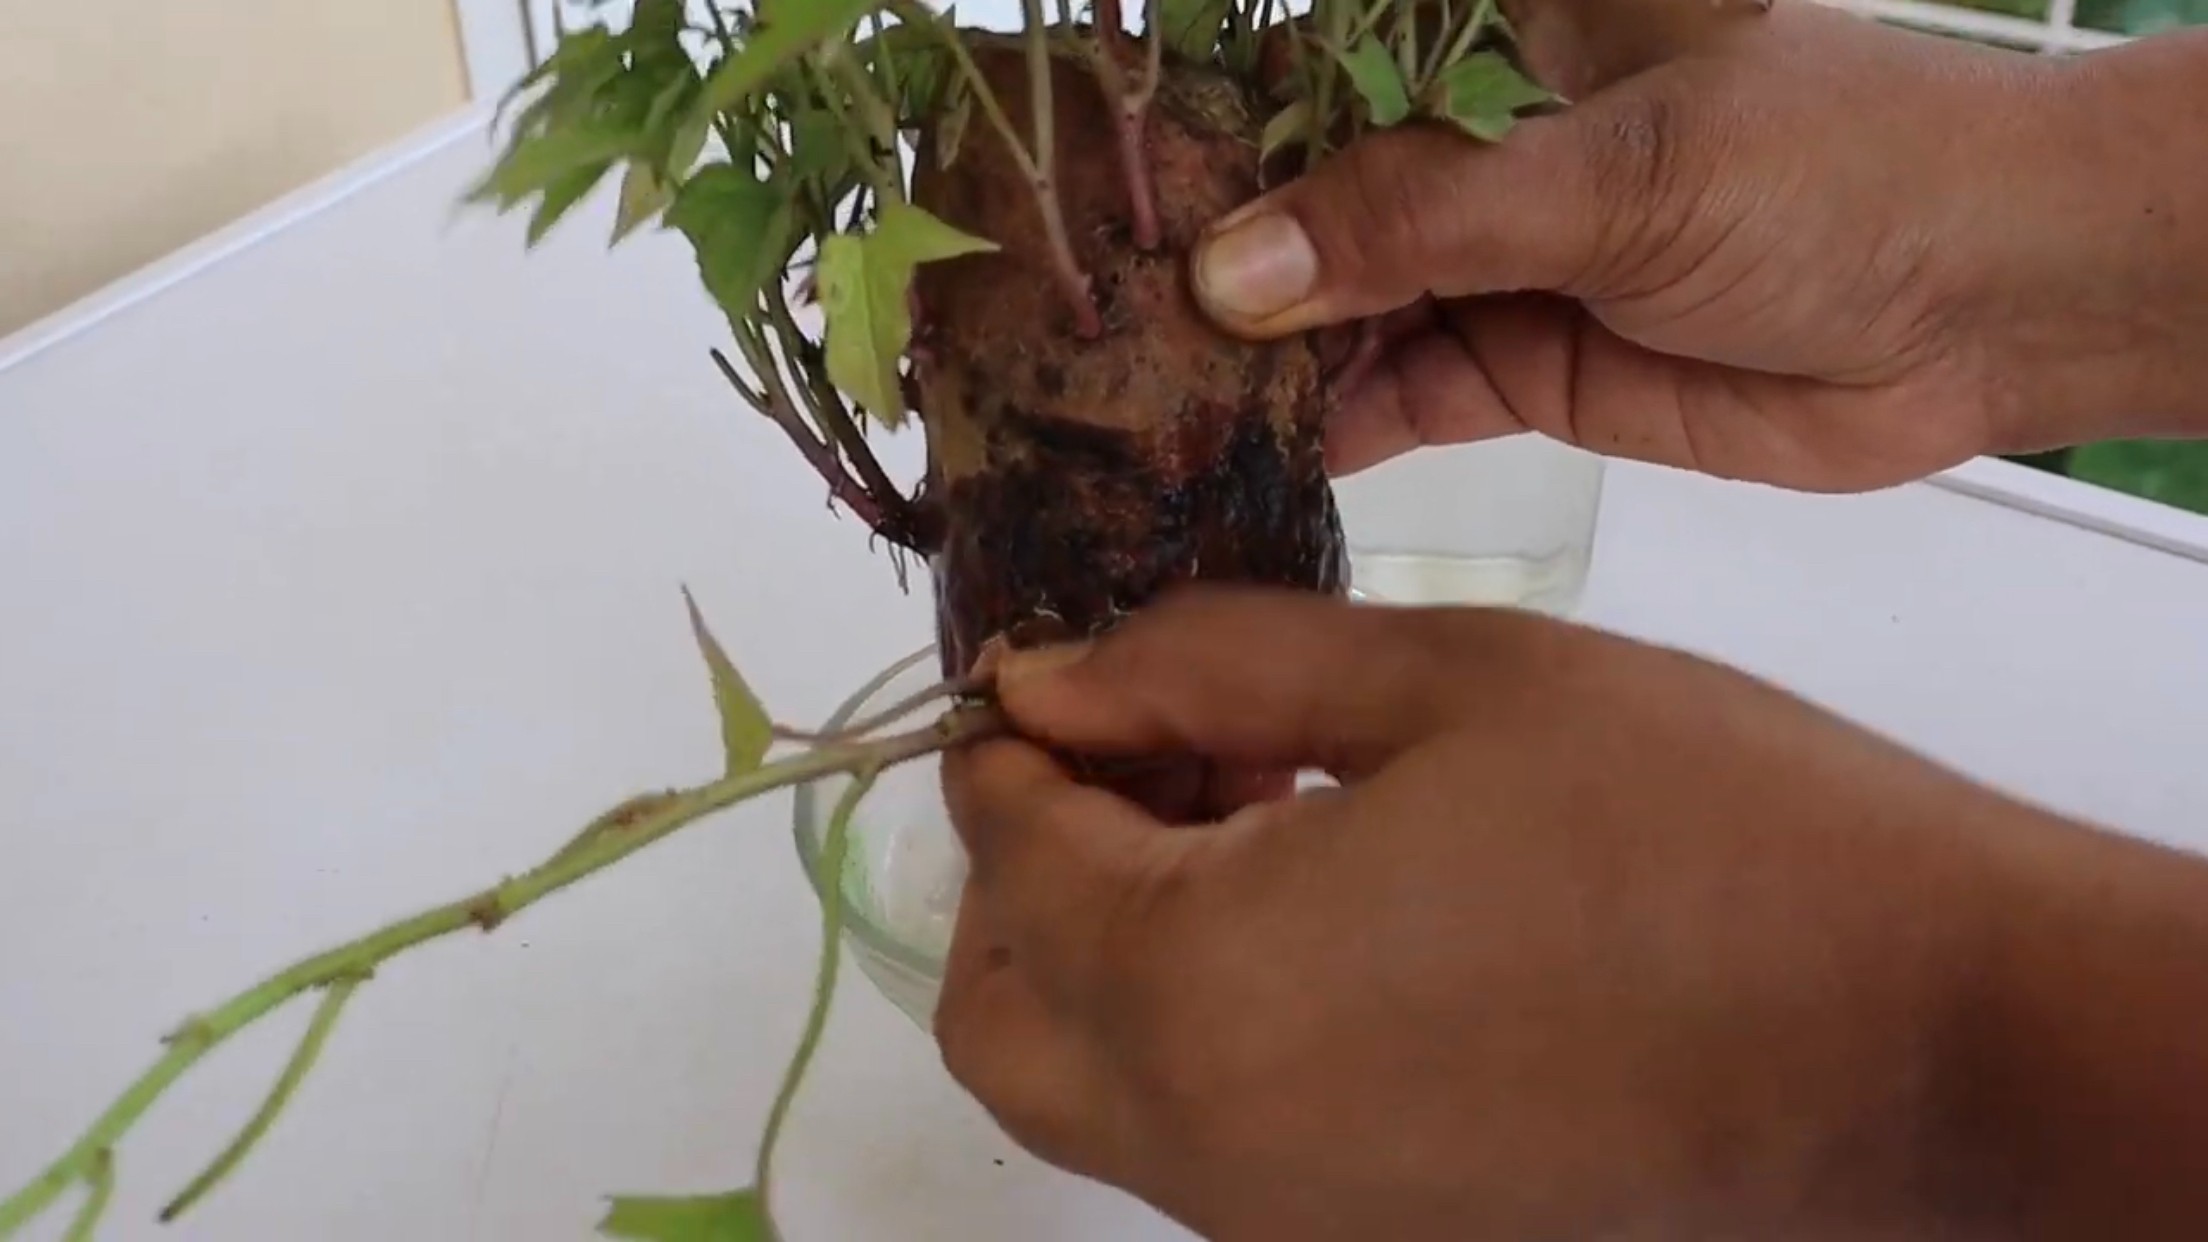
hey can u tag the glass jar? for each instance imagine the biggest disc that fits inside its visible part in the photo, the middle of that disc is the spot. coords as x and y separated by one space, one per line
1506 522
905 868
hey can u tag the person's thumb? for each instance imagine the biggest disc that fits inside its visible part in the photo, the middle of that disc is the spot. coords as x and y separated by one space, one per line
1423 210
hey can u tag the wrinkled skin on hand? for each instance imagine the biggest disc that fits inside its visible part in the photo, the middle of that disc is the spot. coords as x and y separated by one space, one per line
1594 939
1803 249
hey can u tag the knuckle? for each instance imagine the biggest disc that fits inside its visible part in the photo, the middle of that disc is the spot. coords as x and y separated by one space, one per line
1386 216
1646 156
1467 658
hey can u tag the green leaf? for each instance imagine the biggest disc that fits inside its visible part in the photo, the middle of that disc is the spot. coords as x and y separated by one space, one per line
736 224
746 733
656 20
1192 26
863 286
561 197
671 97
583 60
835 853
1290 124
685 145
1483 93
643 195
818 154
782 33
738 1216
950 136
539 162
922 66
2174 472
1378 79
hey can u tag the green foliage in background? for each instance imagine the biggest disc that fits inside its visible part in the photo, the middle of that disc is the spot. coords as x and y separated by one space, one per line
2130 17
2172 473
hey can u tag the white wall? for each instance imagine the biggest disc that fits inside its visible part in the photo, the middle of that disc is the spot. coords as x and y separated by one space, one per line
128 131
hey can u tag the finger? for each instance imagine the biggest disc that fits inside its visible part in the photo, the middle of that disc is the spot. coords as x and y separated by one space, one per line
1252 678
1234 788
1421 210
1426 392
1030 1066
1058 865
1575 47
1559 371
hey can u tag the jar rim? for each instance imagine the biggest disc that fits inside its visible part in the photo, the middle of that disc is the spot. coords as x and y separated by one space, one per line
809 828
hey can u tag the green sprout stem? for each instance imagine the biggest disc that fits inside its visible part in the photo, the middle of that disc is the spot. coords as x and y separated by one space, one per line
295 1071
834 850
1037 165
1041 68
773 400
1481 14
835 419
956 688
99 1185
1131 113
88 1160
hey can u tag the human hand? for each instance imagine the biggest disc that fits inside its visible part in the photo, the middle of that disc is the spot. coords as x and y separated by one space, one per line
1802 249
1594 940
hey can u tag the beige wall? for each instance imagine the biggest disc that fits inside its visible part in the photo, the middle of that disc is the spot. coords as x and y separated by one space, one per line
128 130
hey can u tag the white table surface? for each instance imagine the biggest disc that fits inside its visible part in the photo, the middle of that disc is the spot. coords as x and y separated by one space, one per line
339 574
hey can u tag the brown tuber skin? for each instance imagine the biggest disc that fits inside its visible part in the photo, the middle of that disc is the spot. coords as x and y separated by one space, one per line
1075 480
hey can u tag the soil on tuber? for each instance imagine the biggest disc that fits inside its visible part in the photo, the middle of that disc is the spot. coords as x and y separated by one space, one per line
1079 476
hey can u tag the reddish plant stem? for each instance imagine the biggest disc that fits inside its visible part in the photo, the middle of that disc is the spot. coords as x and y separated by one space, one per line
1036 165
901 523
815 451
1134 163
1087 323
1131 116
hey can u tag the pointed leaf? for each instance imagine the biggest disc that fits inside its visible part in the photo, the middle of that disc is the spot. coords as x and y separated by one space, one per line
782 32
541 161
863 286
1483 94
583 59
685 146
736 224
746 733
643 195
920 63
660 20
1192 26
561 197
1378 79
950 134
911 236
869 325
738 1216
1288 125
818 153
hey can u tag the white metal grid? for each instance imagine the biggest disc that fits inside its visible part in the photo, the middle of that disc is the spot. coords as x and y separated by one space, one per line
2057 33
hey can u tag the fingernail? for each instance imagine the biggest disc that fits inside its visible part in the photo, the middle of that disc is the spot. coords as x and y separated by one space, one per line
1037 663
1258 267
